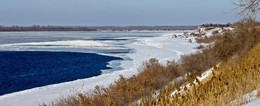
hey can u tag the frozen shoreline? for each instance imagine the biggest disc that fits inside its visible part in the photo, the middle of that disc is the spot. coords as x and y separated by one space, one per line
162 48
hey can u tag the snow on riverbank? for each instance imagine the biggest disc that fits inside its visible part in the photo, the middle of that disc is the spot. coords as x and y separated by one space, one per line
254 103
162 48
249 99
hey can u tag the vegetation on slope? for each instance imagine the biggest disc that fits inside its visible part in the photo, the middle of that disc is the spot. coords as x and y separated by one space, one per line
230 49
229 82
124 91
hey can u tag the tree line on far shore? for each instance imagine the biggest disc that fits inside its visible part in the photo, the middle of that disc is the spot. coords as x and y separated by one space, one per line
91 28
217 25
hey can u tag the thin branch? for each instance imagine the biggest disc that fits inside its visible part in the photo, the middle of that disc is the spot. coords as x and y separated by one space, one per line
249 7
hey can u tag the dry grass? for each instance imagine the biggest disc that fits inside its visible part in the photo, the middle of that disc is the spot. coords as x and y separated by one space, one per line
232 80
215 32
258 94
233 44
126 91
209 28
207 39
228 48
200 47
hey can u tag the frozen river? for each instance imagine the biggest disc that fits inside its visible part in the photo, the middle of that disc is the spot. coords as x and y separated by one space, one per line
134 47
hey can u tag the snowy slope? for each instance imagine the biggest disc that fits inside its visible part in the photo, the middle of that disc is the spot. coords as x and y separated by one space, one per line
254 103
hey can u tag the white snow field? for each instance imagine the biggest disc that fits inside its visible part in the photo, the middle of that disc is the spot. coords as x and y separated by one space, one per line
142 49
254 103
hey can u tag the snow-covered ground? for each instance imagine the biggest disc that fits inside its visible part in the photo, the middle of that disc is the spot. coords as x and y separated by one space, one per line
160 47
249 99
209 31
254 103
201 78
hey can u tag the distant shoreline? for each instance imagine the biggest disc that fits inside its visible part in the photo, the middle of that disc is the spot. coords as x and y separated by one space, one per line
38 28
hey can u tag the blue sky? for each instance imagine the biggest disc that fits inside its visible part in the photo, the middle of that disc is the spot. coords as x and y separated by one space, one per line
116 12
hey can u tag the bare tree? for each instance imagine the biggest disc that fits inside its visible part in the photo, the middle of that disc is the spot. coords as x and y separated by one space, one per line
249 7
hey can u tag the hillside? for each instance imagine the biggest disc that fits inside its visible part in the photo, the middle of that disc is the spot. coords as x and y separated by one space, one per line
233 56
235 81
229 82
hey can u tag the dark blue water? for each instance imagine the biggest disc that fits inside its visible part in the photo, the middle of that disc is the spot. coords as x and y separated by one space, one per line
20 70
